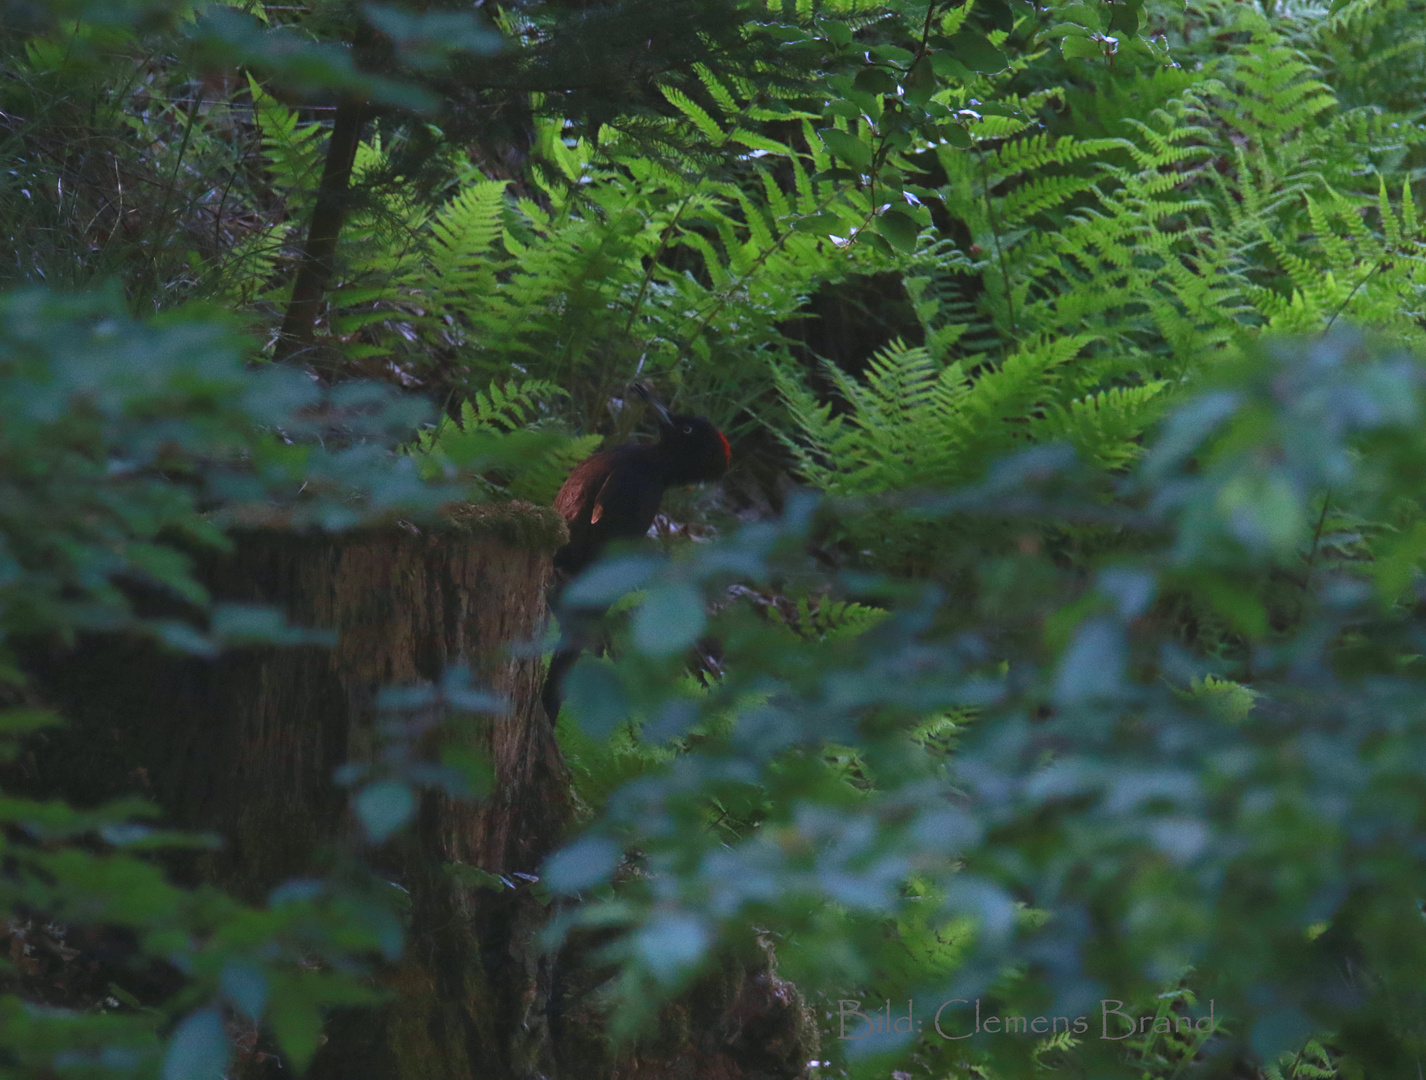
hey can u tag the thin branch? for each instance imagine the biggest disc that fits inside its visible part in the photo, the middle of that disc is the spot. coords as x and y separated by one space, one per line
1316 539
995 232
178 164
758 263
664 239
328 215
1343 306
925 33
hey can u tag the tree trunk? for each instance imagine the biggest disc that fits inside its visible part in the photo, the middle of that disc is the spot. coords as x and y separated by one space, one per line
329 213
247 746
317 264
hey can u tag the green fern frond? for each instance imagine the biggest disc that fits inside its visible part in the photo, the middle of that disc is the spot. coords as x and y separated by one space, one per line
541 480
1106 427
293 149
696 114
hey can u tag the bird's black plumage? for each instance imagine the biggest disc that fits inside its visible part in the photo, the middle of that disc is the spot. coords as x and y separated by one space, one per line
615 494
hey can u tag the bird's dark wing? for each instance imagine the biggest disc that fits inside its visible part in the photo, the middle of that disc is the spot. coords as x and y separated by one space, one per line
626 503
576 497
611 495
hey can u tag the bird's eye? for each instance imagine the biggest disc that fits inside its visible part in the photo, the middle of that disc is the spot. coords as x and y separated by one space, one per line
688 429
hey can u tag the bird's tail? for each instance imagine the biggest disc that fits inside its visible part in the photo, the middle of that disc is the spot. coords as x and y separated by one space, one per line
580 631
552 695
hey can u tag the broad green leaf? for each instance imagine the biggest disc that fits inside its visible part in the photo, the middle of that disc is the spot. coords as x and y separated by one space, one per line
847 147
198 1048
895 53
671 944
608 580
875 241
875 80
899 228
298 1026
1281 1031
670 619
245 985
586 863
383 808
920 83
1125 18
1081 48
597 697
946 65
818 223
976 52
1093 665
957 136
425 38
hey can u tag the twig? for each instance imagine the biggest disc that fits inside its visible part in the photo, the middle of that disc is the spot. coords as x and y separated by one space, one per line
995 232
178 164
925 33
1316 539
1343 306
757 265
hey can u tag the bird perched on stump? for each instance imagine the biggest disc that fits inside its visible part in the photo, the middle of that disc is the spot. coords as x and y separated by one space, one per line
614 495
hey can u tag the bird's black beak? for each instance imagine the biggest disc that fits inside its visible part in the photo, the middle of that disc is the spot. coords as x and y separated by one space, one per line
665 418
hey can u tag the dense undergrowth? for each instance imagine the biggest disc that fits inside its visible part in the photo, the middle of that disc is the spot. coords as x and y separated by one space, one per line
1084 668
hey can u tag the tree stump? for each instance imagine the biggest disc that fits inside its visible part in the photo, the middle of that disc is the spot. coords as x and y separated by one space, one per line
247 746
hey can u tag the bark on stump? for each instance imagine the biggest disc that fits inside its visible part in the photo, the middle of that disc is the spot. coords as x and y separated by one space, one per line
247 746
